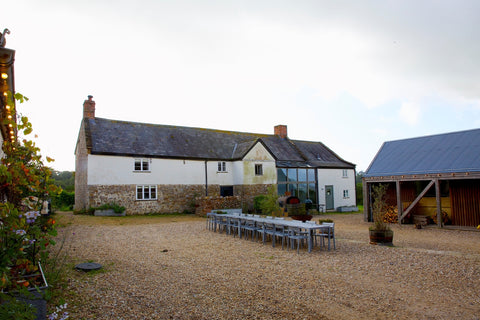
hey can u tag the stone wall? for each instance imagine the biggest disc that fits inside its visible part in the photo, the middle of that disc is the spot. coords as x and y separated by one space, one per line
247 192
170 198
81 167
174 198
207 204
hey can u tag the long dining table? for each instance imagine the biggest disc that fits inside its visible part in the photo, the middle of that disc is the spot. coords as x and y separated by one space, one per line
236 218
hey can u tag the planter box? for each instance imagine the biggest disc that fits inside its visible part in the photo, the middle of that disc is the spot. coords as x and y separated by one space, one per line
382 237
108 213
35 295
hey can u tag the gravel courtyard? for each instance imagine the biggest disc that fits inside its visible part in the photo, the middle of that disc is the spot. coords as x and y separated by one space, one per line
174 268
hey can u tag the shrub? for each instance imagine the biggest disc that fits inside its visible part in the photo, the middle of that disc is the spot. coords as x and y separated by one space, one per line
257 200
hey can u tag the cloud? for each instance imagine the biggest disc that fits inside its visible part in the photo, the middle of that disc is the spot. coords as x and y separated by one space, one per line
410 113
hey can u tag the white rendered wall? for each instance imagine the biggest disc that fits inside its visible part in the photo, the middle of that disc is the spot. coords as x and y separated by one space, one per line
334 177
259 155
115 170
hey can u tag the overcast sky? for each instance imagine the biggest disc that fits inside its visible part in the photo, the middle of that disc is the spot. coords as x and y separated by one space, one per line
351 74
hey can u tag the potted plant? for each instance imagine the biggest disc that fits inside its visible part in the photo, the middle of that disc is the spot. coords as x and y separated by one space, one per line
380 232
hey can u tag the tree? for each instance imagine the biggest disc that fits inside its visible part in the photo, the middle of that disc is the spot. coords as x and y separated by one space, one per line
359 187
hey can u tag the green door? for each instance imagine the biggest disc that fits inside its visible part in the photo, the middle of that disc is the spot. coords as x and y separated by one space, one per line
329 205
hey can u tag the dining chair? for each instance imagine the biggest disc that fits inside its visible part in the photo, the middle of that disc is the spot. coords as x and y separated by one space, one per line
327 233
274 231
296 234
249 226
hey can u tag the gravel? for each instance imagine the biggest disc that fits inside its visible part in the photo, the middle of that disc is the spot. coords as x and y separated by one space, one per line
174 268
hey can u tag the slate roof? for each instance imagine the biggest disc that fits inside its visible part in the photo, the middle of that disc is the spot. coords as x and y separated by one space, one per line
113 137
442 153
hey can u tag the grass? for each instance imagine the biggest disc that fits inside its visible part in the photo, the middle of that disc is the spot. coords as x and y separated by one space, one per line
68 218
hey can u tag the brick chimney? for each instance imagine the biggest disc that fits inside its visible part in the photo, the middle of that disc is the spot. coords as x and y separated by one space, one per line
280 130
89 108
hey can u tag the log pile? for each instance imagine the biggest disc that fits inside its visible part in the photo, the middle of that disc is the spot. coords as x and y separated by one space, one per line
391 214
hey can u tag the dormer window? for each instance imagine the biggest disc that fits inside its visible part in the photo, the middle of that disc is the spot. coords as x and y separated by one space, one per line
141 165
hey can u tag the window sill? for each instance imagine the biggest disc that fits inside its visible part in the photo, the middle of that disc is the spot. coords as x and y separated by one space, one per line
140 171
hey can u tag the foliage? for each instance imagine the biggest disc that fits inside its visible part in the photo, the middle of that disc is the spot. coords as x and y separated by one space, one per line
64 201
379 207
115 207
14 309
257 200
359 187
25 182
269 204
64 180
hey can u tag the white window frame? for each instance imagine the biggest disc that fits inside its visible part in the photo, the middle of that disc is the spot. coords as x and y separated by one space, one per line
346 194
258 169
222 166
144 165
144 189
345 173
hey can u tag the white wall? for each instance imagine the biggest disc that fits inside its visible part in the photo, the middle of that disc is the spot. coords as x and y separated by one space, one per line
334 177
259 155
115 170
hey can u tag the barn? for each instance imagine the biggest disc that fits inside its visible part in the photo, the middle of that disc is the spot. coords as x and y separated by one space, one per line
432 178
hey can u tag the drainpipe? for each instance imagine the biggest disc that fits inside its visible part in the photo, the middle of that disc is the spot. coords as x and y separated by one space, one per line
206 179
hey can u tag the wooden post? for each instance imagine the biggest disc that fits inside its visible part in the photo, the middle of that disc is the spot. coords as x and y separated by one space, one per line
439 204
399 202
366 201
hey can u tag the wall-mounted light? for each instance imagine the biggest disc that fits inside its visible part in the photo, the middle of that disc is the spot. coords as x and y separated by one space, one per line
4 76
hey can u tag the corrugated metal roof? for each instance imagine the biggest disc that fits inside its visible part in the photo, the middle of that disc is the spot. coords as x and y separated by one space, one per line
114 137
442 153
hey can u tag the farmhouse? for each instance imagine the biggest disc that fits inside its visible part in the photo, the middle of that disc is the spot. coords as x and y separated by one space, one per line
150 168
433 177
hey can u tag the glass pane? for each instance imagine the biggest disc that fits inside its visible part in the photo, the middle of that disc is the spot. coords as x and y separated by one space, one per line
138 165
293 189
281 175
282 188
146 193
302 175
292 174
153 192
145 165
311 175
302 192
139 193
312 195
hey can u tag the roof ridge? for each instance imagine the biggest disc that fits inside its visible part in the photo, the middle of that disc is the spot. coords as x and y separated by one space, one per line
257 135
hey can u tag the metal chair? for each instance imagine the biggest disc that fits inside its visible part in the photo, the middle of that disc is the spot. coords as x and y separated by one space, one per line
296 234
249 226
327 233
273 230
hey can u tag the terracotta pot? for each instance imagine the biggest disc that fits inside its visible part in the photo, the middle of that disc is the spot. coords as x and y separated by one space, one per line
384 237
